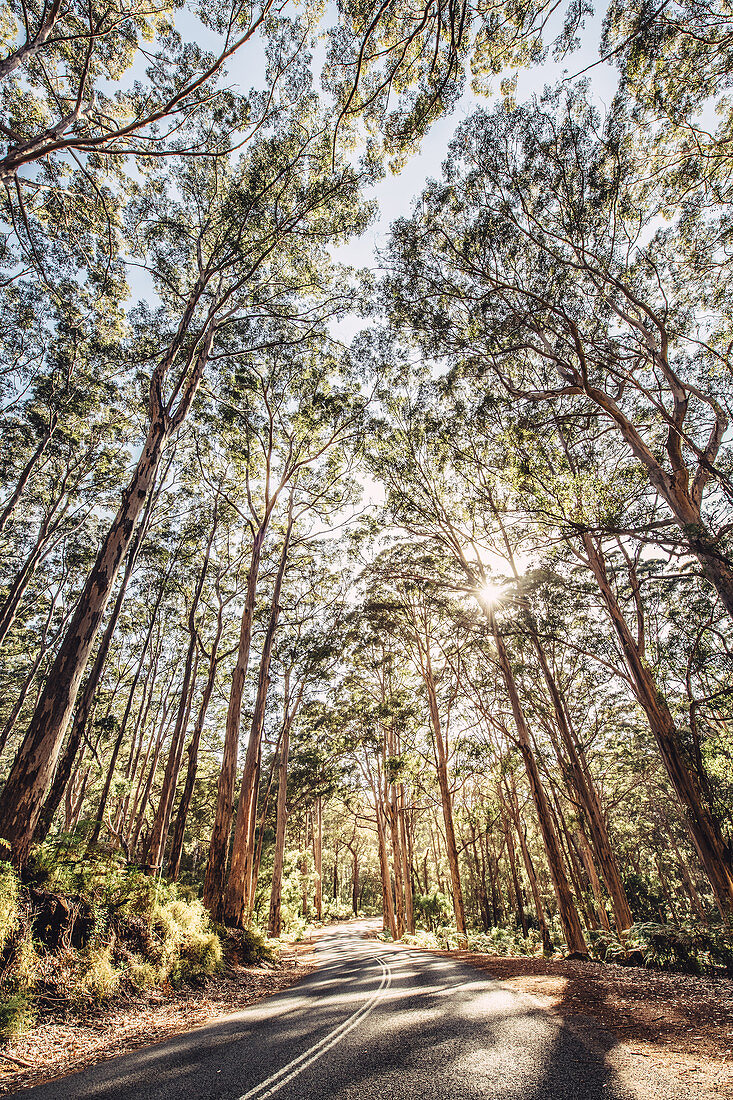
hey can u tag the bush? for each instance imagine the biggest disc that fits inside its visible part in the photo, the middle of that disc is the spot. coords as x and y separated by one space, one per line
335 910
686 948
506 941
248 946
122 931
432 910
96 979
428 940
142 976
17 1014
17 993
9 887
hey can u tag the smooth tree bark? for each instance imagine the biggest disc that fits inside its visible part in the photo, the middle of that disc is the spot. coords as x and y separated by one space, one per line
354 849
215 878
446 801
164 812
174 863
142 795
584 788
274 923
318 860
405 846
512 803
511 853
566 905
240 874
388 907
714 853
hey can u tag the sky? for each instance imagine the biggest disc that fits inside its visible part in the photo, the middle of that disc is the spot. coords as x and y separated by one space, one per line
395 194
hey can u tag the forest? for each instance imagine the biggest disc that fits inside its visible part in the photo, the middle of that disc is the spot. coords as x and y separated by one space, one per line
342 580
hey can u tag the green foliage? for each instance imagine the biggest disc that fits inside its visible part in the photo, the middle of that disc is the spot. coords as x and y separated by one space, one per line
9 886
120 932
336 910
433 909
691 949
95 977
17 1014
506 941
19 979
248 946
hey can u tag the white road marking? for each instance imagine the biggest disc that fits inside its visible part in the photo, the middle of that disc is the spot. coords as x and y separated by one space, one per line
275 1082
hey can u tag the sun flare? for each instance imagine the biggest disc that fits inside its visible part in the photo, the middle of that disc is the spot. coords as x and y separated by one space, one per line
491 593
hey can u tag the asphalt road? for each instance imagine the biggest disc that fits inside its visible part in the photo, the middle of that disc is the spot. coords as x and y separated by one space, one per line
374 1022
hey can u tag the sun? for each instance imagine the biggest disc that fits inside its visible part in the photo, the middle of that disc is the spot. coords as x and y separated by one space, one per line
490 593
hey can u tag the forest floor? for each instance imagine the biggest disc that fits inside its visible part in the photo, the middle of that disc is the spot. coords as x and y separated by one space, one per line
59 1045
674 1028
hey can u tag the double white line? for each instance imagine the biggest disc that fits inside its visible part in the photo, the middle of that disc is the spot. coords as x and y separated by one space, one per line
292 1069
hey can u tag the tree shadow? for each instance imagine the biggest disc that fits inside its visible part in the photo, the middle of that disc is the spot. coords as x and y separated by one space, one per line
439 1030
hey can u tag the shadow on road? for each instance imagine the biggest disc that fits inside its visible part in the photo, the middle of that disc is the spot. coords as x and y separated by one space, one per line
435 1029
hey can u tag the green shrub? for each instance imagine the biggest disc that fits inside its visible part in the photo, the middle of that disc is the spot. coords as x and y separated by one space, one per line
17 1013
506 941
97 979
9 887
119 929
691 949
335 910
248 946
142 976
421 938
432 910
17 993
199 958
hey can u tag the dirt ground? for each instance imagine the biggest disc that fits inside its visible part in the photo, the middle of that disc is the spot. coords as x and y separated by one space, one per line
670 1028
56 1046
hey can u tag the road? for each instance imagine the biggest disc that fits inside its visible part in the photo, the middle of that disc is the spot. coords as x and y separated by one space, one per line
375 1022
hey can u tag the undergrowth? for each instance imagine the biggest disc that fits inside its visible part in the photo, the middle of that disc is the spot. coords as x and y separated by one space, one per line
83 928
689 949
686 948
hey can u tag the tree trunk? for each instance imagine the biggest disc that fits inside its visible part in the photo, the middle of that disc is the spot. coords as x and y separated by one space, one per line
406 848
445 799
388 912
511 852
240 873
218 847
588 798
566 906
34 765
355 881
318 860
27 470
714 853
162 820
24 576
586 854
174 865
275 918
85 706
139 811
